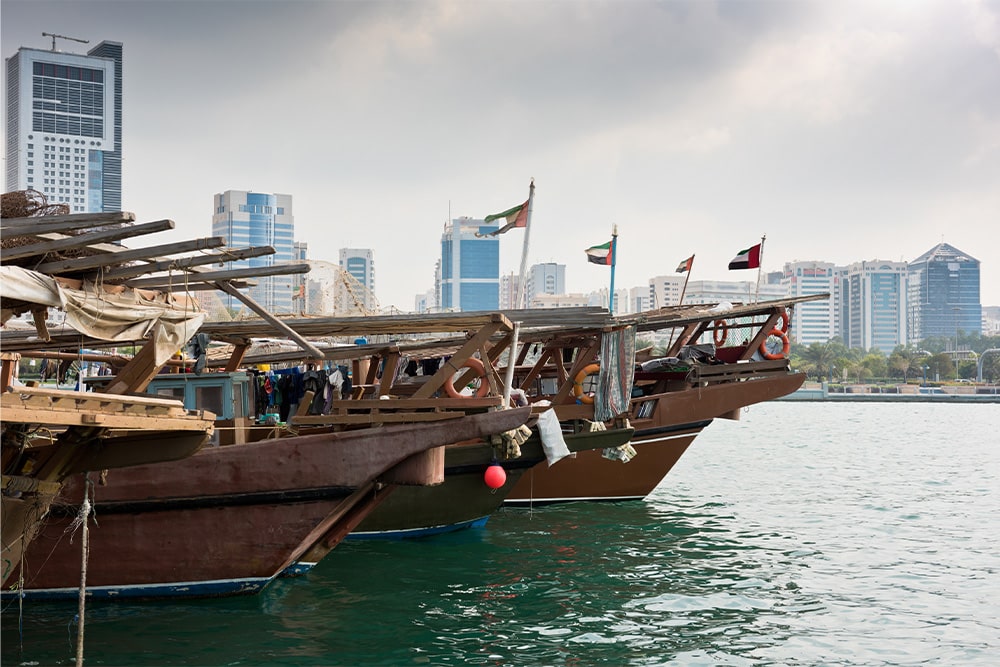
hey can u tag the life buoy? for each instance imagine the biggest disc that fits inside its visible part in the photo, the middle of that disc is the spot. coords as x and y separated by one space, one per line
484 386
785 345
578 383
784 322
720 333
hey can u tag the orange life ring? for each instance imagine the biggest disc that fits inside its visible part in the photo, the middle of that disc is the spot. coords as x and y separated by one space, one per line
784 322
785 345
484 386
578 383
720 333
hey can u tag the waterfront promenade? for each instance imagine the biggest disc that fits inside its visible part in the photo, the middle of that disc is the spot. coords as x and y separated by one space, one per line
903 393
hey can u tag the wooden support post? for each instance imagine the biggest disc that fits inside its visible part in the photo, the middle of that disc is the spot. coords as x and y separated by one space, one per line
9 366
236 358
391 362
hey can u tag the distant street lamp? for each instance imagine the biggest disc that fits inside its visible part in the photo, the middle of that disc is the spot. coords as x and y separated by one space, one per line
925 367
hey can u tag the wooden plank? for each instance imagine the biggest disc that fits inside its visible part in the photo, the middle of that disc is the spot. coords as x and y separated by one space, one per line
83 240
285 269
375 418
227 255
45 224
27 415
418 403
97 261
92 396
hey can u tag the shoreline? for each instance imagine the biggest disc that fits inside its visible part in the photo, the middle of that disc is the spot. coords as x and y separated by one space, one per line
820 392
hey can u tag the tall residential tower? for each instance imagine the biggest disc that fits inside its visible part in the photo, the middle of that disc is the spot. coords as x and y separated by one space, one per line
64 126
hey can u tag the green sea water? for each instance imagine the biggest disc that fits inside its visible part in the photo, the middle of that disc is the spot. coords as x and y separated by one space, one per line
803 534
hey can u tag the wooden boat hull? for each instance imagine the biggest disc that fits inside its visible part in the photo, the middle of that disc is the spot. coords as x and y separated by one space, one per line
227 520
590 476
464 500
661 438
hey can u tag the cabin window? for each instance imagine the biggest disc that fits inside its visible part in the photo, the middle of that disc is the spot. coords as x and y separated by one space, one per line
210 398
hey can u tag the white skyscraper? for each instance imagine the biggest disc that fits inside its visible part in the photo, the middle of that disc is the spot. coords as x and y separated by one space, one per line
64 126
812 321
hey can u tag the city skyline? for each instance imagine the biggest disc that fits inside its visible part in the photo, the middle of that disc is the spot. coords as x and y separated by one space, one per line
843 131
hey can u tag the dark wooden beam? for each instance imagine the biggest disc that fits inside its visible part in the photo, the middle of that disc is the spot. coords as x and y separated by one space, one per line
47 224
83 240
215 276
97 261
228 255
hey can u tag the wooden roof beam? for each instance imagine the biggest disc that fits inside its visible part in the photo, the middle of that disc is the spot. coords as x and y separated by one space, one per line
218 277
97 261
83 240
47 224
227 255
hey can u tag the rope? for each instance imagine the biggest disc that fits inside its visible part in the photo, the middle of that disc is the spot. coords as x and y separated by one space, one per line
81 520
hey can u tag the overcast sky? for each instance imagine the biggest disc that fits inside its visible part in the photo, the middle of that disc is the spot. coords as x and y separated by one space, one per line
843 131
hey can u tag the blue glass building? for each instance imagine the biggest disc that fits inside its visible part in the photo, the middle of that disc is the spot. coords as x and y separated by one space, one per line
64 126
470 266
248 219
943 289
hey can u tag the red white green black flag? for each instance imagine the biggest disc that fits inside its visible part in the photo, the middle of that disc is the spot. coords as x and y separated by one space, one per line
600 254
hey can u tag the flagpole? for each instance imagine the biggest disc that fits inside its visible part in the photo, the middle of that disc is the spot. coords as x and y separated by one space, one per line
760 267
524 249
686 279
614 258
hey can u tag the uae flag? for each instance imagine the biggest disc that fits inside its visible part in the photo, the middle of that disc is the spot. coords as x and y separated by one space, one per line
516 216
746 259
685 265
600 254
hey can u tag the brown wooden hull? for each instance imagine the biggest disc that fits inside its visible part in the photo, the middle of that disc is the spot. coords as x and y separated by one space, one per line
229 519
658 443
464 499
590 476
21 515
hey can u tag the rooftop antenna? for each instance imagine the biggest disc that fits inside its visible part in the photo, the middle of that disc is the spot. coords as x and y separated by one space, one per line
54 36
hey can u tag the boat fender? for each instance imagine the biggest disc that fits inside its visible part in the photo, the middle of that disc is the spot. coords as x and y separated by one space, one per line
484 386
578 383
720 333
785 345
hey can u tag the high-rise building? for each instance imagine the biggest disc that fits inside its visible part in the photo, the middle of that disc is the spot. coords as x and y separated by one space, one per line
872 298
547 278
470 266
359 263
64 126
720 291
666 290
250 219
812 321
509 290
943 294
639 299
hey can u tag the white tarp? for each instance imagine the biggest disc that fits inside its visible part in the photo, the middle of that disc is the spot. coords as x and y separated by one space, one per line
126 316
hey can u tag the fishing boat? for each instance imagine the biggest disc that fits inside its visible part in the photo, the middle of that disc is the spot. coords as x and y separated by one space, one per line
671 397
229 519
50 433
